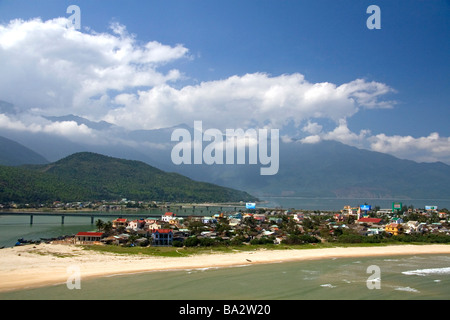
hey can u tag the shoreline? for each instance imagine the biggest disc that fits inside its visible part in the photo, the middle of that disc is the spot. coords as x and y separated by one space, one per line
43 265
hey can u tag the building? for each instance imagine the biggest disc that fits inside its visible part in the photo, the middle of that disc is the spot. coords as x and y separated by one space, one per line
396 220
136 225
119 222
394 229
168 216
88 237
151 225
299 217
162 237
349 211
209 220
370 221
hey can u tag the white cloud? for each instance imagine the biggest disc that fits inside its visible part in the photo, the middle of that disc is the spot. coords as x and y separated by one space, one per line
313 128
49 69
58 70
311 139
244 101
427 149
343 134
68 129
431 148
55 69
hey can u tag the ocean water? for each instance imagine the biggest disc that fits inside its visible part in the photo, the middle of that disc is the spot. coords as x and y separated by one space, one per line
420 277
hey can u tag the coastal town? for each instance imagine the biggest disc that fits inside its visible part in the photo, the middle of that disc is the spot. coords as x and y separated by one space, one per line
362 224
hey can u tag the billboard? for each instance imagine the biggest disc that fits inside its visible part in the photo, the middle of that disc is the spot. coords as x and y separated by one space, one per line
366 207
397 206
431 207
250 205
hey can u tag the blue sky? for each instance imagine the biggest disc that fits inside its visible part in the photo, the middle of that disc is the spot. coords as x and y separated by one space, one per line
324 41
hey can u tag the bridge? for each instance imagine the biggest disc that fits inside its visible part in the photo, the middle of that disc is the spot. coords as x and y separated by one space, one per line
91 215
179 210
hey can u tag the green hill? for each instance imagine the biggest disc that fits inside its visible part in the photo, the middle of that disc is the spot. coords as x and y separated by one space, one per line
89 176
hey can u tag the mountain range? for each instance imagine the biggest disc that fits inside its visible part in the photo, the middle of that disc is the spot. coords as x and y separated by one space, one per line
15 154
323 169
89 176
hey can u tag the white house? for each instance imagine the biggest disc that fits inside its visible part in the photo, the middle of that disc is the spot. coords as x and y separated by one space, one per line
168 216
151 225
136 225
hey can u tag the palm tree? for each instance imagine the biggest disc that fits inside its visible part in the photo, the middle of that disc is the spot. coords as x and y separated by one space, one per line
100 225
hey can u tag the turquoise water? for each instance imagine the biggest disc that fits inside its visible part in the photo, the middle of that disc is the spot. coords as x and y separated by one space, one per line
16 227
420 277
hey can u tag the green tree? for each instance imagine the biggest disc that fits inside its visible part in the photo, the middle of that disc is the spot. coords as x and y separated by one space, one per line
100 224
223 227
196 227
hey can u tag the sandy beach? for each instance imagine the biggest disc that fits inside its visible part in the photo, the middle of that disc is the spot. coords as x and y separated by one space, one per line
49 264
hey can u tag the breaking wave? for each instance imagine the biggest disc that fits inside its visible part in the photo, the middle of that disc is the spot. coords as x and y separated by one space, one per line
426 272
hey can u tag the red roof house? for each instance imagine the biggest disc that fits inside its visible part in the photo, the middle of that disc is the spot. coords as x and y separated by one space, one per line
369 220
88 237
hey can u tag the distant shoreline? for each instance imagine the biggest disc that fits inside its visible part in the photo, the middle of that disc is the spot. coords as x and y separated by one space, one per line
47 264
161 207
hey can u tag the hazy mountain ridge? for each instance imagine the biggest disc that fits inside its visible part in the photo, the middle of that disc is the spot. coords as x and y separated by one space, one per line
324 169
15 154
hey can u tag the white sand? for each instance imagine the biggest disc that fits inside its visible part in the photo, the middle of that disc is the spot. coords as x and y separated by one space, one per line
47 264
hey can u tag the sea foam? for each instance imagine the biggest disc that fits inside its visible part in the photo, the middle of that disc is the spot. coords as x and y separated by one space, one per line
426 272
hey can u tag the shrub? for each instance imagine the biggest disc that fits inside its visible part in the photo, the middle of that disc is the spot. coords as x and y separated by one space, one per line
191 242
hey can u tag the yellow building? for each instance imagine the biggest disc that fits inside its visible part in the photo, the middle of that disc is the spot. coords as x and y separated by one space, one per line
394 229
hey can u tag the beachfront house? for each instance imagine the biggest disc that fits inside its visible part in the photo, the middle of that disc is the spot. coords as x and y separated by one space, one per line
88 237
162 237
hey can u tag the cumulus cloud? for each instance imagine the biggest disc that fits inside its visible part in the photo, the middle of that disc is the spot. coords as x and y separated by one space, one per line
68 129
49 69
427 149
256 99
343 134
55 69
112 76
422 149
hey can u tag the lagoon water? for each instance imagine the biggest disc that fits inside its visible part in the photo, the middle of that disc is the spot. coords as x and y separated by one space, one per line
401 278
